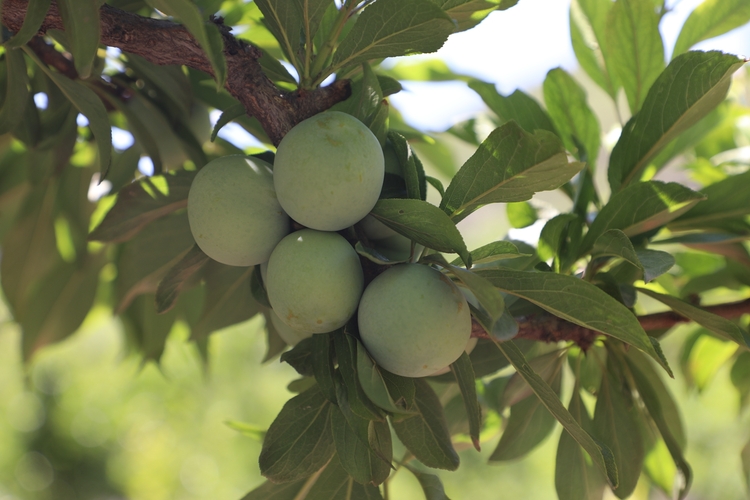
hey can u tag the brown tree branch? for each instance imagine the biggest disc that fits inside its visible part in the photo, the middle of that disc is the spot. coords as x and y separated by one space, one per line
548 328
164 42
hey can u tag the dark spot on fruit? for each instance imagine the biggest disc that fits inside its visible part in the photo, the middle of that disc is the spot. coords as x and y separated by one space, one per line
320 322
401 212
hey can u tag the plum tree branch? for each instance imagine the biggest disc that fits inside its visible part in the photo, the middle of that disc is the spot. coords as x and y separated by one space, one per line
164 42
549 328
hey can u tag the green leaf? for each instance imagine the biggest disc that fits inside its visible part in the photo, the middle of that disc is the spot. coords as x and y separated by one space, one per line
690 88
576 301
492 252
147 329
640 208
322 362
430 483
518 107
177 277
300 357
716 324
576 478
469 13
143 261
426 434
464 372
59 304
528 425
36 11
299 441
600 454
726 199
284 19
423 223
228 298
374 384
710 19
81 21
357 456
572 116
16 91
409 166
390 28
615 423
227 116
510 165
634 41
335 484
547 366
141 203
521 214
29 248
615 243
346 348
276 344
588 34
664 413
207 34
172 83
312 15
554 240
88 104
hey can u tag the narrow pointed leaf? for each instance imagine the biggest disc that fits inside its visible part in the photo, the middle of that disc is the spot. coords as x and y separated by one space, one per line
16 91
640 208
576 301
615 424
710 19
374 385
423 223
89 105
140 203
60 303
662 412
390 28
206 34
491 252
359 461
718 325
726 199
464 372
35 14
426 434
567 106
175 279
519 107
284 19
510 165
600 454
430 483
634 41
284 491
588 35
227 116
691 87
528 425
547 366
299 441
576 478
228 298
81 21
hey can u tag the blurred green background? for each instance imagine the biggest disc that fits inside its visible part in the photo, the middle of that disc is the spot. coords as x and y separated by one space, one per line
87 420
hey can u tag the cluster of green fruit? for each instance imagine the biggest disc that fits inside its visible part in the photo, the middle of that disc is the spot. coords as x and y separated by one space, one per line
327 176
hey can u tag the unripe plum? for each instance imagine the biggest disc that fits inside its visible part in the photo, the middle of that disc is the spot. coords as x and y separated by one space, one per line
314 281
288 334
328 171
413 320
233 212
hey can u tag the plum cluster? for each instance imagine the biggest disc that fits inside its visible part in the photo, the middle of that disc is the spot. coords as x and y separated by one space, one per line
327 175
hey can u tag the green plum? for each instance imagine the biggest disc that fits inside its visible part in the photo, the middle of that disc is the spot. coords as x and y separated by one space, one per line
314 281
329 171
288 334
233 212
413 320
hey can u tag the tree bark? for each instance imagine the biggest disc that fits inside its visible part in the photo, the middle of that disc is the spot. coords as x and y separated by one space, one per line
164 42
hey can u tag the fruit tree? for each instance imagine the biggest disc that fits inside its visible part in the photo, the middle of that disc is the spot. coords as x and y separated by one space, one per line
343 231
